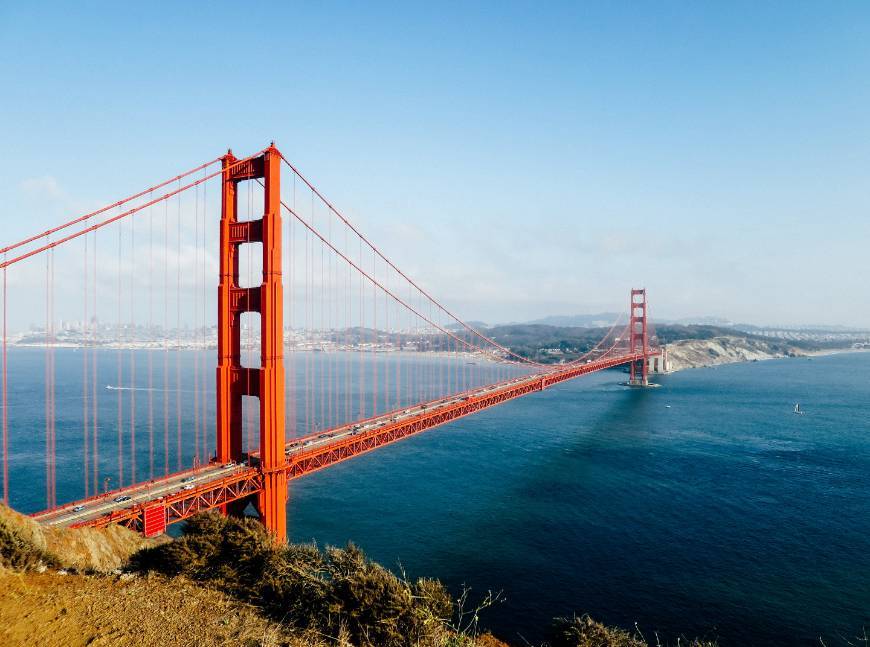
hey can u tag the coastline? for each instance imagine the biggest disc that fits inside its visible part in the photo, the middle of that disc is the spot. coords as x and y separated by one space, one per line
717 351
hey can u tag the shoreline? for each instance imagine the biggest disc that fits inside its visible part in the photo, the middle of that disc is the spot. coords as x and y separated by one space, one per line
684 354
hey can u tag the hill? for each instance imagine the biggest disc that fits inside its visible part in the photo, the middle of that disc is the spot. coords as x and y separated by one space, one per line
555 344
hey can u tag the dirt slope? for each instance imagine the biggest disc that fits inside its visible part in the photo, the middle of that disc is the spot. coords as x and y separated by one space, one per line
49 609
81 549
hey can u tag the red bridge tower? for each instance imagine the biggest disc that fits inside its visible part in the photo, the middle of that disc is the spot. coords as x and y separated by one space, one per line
265 382
639 339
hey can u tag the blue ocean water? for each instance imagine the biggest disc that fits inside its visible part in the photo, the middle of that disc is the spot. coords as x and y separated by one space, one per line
702 508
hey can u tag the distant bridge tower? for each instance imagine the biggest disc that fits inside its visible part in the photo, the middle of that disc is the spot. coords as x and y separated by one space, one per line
639 339
267 381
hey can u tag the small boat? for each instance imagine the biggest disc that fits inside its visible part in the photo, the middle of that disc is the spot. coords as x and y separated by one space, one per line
797 409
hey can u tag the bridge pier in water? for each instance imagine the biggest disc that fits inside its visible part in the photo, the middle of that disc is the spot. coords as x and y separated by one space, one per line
639 340
233 379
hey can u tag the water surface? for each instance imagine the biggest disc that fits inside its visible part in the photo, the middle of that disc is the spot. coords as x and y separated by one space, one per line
704 507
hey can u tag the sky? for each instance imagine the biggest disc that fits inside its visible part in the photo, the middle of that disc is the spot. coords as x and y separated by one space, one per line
517 159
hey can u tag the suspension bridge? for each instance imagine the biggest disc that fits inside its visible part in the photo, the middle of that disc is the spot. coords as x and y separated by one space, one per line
325 350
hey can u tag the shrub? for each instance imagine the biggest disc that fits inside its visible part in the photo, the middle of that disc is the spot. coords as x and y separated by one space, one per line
585 632
336 592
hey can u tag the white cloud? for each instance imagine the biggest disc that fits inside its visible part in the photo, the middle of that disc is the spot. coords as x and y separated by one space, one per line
42 187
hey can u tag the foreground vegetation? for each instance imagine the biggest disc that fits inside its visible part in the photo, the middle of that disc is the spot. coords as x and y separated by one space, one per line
337 592
65 590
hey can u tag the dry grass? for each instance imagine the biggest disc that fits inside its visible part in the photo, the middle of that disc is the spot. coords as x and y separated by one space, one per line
26 544
49 609
583 631
332 592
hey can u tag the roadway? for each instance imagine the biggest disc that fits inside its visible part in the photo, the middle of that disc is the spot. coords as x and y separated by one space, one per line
95 507
199 479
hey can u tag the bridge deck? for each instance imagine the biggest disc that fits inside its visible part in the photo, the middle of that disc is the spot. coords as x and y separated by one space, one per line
185 493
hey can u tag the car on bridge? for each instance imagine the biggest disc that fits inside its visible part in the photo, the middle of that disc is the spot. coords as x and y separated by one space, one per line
78 508
121 499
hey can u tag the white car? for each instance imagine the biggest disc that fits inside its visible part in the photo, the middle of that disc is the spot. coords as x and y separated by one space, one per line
78 508
189 486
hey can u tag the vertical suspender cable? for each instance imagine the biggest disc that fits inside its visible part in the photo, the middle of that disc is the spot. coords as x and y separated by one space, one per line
150 338
348 309
120 370
292 367
324 357
53 394
132 351
94 377
329 326
374 342
203 283
86 383
49 382
178 459
389 405
362 318
195 330
307 333
166 338
5 375
205 292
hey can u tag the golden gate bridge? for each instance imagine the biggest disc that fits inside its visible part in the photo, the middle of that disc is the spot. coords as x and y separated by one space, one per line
325 351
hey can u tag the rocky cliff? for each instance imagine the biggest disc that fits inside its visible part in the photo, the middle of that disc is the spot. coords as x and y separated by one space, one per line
694 353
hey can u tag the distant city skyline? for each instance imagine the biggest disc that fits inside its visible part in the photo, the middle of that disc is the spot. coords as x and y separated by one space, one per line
517 162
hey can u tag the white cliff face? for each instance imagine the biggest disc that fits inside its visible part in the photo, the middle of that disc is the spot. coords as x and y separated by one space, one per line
693 353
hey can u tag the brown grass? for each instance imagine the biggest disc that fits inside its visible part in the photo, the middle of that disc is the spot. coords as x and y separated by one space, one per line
333 591
49 609
26 544
583 631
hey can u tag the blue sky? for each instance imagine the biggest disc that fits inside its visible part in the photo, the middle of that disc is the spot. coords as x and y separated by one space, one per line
519 159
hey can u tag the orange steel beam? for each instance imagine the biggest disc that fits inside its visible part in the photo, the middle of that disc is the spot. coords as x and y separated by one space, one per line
181 505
